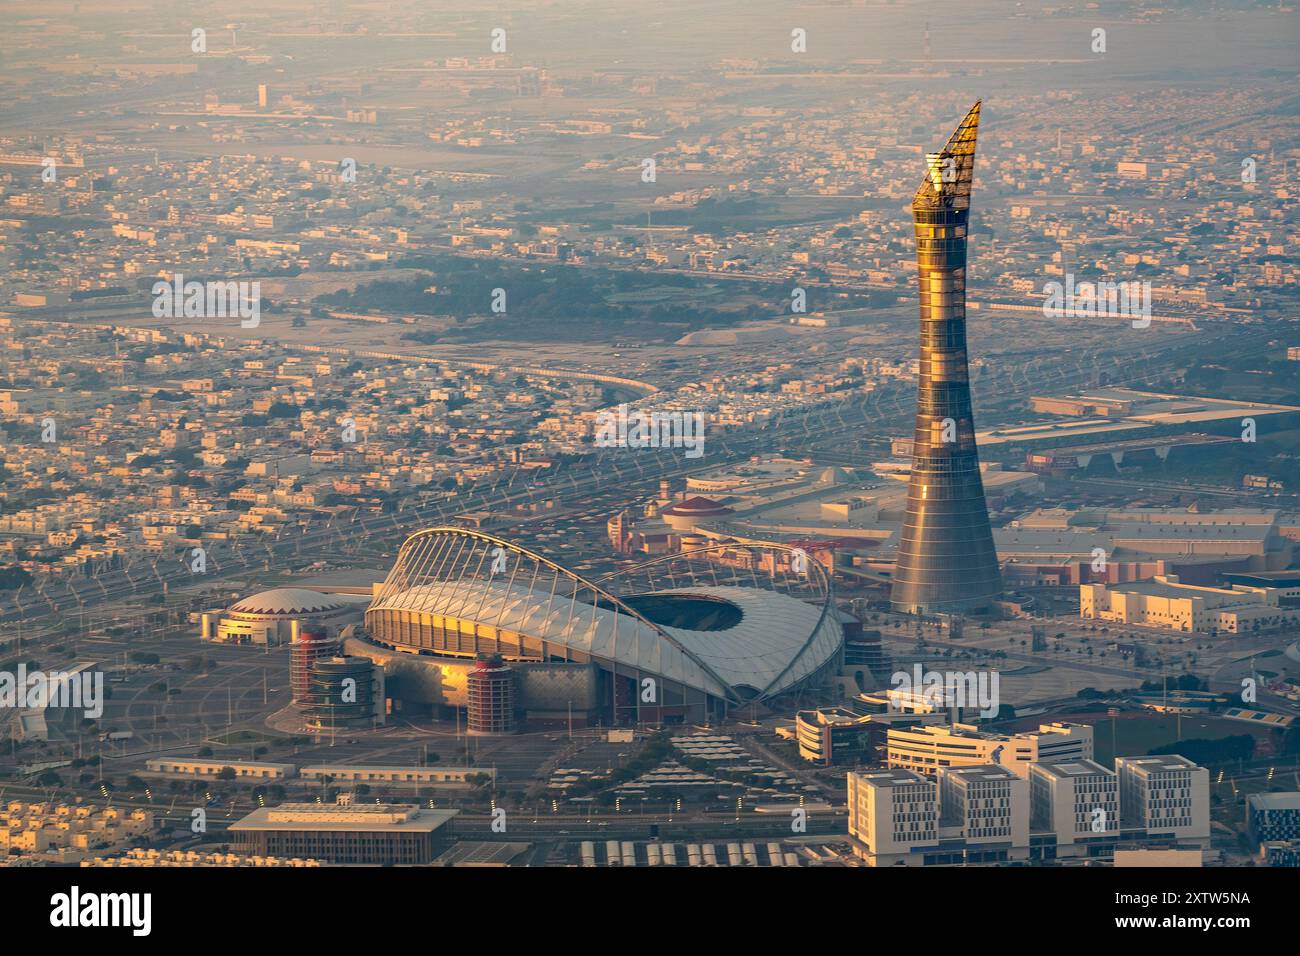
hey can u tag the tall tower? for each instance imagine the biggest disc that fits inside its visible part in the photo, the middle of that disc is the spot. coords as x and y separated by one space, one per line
946 561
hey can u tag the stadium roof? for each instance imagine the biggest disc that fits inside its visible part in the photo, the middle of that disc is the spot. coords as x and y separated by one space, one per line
778 640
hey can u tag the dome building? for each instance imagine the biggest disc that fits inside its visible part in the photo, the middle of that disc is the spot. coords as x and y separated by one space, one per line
685 515
277 616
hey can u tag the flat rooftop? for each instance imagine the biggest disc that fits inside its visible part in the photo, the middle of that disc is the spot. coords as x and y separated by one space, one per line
1165 589
1276 801
1148 531
831 716
472 853
989 771
1160 762
972 732
386 768
1066 769
219 763
1149 410
1265 578
358 818
1140 444
894 777
1050 541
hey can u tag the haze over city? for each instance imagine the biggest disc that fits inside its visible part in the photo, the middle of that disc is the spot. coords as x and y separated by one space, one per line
607 435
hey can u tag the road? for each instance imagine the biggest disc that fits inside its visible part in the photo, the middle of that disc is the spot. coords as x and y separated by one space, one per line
823 431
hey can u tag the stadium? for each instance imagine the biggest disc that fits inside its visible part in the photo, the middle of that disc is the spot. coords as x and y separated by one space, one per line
687 636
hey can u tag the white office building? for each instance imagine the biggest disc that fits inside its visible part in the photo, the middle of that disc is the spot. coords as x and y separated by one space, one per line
1077 803
987 805
1167 796
967 816
988 814
892 813
929 749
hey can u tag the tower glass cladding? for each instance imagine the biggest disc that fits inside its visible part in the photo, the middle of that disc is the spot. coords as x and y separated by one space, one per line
946 561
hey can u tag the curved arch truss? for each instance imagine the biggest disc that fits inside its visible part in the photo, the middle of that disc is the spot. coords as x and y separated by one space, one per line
491 585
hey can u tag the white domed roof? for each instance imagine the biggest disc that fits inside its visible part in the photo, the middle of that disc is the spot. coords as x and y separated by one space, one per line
286 601
776 641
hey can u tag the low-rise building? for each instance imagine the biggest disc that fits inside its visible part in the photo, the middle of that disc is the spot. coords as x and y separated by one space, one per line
1166 603
379 834
988 806
279 615
892 814
1166 796
1074 805
1272 817
928 749
966 815
831 735
140 857
212 768
66 833
398 776
1280 853
1160 856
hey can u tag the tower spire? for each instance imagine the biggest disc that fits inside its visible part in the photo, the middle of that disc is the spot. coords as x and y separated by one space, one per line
946 561
951 170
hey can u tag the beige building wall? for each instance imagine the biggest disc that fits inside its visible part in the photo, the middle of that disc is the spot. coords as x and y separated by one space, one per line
891 813
1200 609
1065 797
987 804
928 749
1165 794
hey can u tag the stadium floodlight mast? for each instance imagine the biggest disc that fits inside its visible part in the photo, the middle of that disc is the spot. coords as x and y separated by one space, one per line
40 589
96 577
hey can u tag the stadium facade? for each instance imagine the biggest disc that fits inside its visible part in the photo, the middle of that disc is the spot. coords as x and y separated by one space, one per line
690 636
946 561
